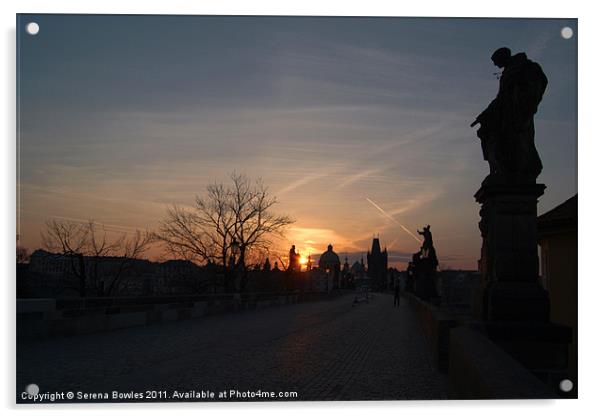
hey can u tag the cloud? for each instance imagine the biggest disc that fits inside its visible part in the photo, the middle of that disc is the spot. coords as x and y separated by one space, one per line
301 182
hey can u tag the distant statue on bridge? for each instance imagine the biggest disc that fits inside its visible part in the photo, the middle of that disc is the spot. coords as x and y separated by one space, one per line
422 270
294 259
428 248
507 130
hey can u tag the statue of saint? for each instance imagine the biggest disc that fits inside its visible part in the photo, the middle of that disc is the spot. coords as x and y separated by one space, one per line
507 131
428 238
294 259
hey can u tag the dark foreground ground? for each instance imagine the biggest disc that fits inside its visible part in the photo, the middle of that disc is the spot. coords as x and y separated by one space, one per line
324 350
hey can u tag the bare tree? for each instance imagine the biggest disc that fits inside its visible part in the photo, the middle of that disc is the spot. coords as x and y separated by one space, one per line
201 234
225 225
254 222
86 246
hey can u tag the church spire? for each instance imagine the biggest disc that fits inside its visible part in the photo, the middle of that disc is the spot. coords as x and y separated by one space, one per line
375 246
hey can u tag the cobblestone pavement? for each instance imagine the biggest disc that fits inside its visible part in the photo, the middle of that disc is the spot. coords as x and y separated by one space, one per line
326 350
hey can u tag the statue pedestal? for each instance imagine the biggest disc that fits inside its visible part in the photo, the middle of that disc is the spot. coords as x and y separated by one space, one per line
425 274
509 264
426 286
514 307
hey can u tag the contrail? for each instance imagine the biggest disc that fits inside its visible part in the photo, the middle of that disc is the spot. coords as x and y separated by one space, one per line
393 219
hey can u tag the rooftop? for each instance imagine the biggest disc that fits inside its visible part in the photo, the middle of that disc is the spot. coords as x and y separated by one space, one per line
562 218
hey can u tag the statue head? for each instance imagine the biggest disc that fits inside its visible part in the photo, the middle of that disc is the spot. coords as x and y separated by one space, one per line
501 57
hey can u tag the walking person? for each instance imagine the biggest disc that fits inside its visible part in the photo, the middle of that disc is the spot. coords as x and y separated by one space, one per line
397 291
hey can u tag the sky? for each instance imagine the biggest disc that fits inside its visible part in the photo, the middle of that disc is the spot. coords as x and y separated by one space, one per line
121 116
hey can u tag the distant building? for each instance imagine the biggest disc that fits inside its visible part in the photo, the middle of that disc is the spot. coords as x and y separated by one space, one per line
378 265
329 260
346 265
361 279
557 238
42 261
358 269
331 264
51 274
177 277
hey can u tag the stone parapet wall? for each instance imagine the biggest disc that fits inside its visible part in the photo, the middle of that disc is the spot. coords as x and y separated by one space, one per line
436 326
47 318
476 367
479 369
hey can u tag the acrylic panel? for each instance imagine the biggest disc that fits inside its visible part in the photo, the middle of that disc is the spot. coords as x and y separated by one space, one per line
288 208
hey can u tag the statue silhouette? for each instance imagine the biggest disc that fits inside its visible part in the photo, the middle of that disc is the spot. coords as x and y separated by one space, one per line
428 238
294 259
507 130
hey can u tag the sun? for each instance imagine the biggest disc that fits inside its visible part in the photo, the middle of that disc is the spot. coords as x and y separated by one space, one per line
303 260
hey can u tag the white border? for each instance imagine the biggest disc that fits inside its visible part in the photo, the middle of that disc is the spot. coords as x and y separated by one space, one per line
589 200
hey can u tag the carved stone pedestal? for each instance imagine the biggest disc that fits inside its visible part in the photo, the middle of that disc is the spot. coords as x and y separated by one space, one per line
509 263
513 306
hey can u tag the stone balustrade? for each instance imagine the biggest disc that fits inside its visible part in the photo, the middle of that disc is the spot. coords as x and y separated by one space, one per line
45 318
